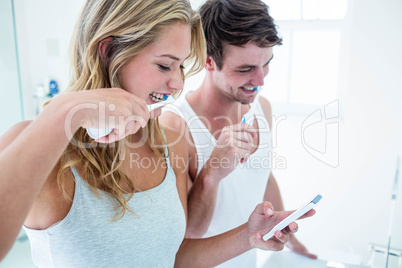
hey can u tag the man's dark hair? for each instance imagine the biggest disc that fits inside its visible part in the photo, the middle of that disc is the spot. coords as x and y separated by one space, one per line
236 22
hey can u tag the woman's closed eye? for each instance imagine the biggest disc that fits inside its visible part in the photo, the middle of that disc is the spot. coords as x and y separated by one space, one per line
163 67
167 68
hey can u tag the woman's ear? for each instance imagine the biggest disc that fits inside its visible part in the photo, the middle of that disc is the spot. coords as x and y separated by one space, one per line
102 46
210 64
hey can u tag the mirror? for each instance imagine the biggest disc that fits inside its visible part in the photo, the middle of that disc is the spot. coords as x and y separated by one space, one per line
11 106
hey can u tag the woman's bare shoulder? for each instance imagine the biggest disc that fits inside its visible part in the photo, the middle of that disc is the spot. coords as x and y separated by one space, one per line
175 139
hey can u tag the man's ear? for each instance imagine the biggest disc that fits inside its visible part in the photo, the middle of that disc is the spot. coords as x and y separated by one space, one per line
210 64
102 46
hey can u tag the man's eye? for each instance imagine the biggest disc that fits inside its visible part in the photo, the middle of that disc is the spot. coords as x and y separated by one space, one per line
244 71
163 68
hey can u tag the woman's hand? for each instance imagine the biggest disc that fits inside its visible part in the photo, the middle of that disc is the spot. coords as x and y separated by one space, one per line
108 108
263 219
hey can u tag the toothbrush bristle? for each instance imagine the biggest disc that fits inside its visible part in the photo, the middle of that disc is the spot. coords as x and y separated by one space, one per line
165 96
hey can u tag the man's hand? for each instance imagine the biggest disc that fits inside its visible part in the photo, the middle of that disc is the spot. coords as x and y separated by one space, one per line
233 147
294 245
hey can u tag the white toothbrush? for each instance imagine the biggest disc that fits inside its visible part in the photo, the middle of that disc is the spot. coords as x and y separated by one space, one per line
96 133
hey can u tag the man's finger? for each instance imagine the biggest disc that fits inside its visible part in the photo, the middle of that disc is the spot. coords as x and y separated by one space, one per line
242 127
312 256
243 136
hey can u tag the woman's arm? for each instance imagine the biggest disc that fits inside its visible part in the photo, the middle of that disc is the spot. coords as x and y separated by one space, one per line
30 150
209 252
28 153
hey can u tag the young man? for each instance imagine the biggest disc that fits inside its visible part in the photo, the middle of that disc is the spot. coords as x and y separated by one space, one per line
228 171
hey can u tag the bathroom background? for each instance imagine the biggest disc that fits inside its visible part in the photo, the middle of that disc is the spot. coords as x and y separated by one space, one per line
335 87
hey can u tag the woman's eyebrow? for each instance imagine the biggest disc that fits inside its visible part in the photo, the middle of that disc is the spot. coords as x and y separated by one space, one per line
170 56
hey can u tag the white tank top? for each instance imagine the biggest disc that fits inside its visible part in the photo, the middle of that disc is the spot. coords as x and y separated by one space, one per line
244 188
87 237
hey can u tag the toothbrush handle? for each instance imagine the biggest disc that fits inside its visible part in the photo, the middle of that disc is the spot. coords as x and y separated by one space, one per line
95 133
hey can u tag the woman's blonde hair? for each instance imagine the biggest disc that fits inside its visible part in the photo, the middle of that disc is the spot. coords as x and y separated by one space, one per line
133 25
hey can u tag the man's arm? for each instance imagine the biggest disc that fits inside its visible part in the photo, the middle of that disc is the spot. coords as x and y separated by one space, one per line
201 204
203 189
233 144
273 195
209 252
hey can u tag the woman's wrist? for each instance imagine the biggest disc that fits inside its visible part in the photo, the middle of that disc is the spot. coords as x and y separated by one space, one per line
247 237
66 112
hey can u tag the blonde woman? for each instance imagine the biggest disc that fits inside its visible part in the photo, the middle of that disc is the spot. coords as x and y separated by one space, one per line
87 203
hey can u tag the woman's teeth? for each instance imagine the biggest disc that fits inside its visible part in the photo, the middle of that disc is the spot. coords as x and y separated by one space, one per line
249 88
156 97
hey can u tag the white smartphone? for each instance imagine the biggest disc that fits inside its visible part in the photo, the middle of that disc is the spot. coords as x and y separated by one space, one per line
292 217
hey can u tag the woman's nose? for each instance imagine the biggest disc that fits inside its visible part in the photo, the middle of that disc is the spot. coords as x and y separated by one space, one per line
176 82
